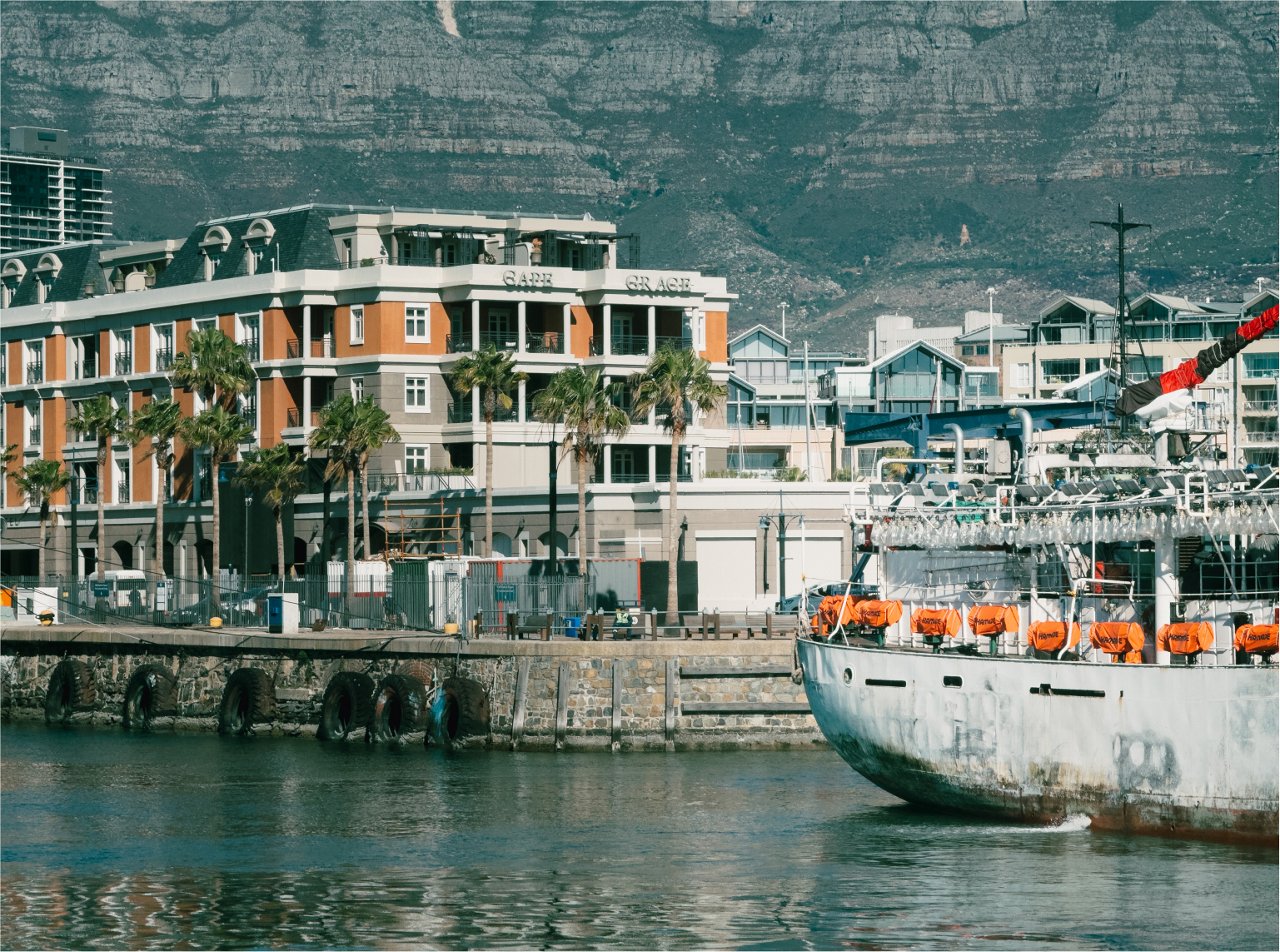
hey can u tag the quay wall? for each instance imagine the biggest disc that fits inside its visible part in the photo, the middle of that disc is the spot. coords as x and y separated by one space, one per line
562 694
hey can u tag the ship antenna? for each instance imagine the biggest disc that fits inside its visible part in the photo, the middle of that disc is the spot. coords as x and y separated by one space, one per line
1120 227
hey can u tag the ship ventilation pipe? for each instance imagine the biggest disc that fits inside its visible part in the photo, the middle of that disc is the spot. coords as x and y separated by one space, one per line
958 435
1028 428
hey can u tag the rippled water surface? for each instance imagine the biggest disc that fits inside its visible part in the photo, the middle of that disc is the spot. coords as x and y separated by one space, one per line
197 841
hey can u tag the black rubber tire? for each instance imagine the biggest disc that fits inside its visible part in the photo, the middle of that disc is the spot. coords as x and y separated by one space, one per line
249 698
71 689
399 708
465 710
347 705
151 693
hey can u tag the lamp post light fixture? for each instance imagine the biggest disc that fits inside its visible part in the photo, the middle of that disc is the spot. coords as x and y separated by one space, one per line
782 519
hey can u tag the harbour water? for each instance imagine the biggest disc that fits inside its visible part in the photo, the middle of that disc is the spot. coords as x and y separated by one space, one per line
111 840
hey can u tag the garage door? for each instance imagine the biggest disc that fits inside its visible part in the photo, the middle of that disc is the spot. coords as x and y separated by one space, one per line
727 571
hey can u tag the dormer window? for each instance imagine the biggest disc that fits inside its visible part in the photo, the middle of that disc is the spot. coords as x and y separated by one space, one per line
11 277
47 271
216 241
257 241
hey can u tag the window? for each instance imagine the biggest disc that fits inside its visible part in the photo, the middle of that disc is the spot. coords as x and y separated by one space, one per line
1021 375
1092 365
1261 366
122 343
1060 371
123 483
357 323
84 357
416 395
204 323
357 389
31 413
35 361
417 459
250 334
162 342
417 323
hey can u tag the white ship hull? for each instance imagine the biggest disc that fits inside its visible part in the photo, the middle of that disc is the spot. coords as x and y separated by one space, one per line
1183 751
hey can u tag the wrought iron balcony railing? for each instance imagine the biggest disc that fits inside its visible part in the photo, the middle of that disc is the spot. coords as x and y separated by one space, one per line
124 363
35 373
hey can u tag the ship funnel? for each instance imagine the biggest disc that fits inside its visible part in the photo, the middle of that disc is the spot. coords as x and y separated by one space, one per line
1028 429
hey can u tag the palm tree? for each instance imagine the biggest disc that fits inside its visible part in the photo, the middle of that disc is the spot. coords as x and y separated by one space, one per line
38 481
335 433
675 382
372 429
221 433
277 476
158 421
578 398
105 421
213 364
493 372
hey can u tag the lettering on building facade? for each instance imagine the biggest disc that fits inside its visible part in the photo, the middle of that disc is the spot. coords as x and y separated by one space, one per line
527 279
644 282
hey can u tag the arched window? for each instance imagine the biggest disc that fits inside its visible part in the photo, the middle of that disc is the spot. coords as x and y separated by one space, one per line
216 241
47 271
11 277
257 239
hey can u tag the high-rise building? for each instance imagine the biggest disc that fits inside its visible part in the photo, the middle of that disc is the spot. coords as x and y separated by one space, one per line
47 196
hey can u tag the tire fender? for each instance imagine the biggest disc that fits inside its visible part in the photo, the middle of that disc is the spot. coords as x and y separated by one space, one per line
347 705
152 692
71 690
249 698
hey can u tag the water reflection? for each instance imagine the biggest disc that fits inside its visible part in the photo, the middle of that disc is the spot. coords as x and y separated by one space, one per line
175 841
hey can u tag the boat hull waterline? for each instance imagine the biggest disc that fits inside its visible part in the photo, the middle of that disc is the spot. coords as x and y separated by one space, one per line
1172 750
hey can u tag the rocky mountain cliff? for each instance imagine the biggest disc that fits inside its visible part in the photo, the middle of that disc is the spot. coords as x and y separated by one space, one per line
847 158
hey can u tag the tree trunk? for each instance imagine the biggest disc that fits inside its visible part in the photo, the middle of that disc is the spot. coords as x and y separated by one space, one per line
162 474
40 563
102 512
488 486
351 540
582 525
673 606
364 509
280 544
216 592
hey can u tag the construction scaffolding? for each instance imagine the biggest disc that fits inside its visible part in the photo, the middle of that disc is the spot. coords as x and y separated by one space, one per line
432 534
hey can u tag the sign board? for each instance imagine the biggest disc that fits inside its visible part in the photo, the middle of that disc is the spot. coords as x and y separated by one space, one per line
162 598
504 592
101 589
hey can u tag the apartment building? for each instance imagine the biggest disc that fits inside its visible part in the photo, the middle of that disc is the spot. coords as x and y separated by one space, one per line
47 196
331 300
1075 338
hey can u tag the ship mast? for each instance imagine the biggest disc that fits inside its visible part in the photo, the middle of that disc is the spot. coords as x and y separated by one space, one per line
1120 227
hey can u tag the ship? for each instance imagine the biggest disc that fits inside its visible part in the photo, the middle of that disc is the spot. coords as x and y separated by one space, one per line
1100 645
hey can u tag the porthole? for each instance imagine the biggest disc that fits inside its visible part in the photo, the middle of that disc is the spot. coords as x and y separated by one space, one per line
951 681
848 675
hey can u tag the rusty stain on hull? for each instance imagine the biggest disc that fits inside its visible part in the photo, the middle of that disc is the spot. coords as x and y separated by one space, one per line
1173 751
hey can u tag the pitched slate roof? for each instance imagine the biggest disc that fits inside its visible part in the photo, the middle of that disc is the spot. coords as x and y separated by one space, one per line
80 270
301 240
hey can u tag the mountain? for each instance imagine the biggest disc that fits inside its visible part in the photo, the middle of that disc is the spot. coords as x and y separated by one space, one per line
830 155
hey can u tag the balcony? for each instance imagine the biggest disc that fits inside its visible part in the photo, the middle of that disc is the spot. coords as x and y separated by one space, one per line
1260 405
460 344
122 491
293 418
544 343
164 359
293 349
35 437
35 373
252 348
459 412
124 363
629 345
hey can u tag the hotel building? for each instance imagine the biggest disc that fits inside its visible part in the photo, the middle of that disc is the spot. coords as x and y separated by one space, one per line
47 196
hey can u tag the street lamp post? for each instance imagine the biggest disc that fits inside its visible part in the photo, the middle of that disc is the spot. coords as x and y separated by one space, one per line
991 321
782 519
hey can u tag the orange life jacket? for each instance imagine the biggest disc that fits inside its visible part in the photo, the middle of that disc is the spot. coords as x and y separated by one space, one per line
1122 640
1185 637
833 611
1256 639
993 619
1053 635
936 621
876 614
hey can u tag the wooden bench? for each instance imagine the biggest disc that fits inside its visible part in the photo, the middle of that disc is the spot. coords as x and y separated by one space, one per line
750 624
532 624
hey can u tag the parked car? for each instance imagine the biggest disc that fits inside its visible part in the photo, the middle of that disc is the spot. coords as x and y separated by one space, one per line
811 598
241 609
